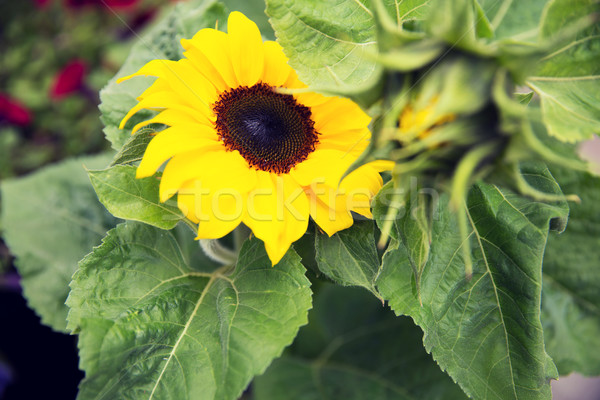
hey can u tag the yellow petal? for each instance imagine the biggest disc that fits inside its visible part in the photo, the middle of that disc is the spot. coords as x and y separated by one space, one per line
175 140
329 219
382 165
161 101
159 85
276 68
352 141
277 211
194 89
322 166
213 46
310 99
172 117
339 115
205 67
155 68
365 177
331 197
294 209
359 188
276 251
212 166
246 49
260 208
293 81
215 211
354 193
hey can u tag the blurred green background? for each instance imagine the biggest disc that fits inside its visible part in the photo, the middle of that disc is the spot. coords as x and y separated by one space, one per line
43 44
55 56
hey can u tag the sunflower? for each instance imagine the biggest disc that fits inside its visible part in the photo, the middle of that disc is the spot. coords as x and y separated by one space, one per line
240 150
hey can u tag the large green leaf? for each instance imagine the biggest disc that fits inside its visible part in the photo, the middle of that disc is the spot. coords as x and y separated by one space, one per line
51 219
354 348
350 256
161 42
571 294
151 327
332 43
568 80
570 105
484 331
134 199
517 20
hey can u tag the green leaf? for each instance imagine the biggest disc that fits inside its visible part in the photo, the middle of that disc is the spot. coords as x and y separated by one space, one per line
524 98
484 332
408 10
51 219
559 14
133 150
570 105
350 256
161 42
354 348
152 327
571 294
517 20
134 199
568 80
329 43
483 28
332 44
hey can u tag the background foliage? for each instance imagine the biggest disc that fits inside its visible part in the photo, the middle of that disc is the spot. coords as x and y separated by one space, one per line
157 319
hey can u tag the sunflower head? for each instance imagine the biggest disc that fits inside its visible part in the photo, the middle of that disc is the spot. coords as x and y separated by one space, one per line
239 150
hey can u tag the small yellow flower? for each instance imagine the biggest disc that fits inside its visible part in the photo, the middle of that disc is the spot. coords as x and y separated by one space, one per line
420 122
240 151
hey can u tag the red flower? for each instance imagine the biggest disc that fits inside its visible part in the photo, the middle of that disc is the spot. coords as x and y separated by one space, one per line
68 80
13 111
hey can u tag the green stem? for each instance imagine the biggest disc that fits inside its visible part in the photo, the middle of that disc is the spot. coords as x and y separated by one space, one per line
213 248
466 245
461 182
550 155
217 252
528 190
392 213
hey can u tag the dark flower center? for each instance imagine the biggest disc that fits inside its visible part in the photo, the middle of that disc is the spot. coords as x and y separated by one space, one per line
270 130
